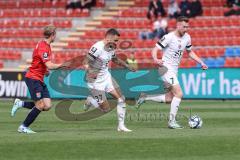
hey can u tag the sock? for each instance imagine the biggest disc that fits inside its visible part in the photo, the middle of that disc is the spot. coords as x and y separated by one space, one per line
31 117
121 111
157 98
174 108
93 102
20 103
28 105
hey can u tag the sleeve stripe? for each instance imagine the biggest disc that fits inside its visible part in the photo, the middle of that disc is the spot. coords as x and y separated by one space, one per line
189 46
160 44
92 56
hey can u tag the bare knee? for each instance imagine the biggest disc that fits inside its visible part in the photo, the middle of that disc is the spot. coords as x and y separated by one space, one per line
39 105
104 107
47 104
169 97
177 91
178 94
47 107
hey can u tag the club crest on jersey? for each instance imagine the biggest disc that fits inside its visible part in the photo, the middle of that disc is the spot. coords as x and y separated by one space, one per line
38 94
45 55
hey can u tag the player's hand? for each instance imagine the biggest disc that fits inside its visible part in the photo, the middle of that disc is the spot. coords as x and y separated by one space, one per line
204 66
65 65
86 66
131 68
159 62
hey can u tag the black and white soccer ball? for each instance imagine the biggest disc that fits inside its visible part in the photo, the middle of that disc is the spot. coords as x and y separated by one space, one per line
195 122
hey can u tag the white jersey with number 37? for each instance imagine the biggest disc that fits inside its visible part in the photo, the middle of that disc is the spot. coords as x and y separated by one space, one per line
173 48
100 59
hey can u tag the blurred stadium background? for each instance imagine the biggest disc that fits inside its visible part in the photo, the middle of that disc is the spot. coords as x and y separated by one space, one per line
215 37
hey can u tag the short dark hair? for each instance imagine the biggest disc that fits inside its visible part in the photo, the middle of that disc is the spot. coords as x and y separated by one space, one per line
182 19
49 30
113 32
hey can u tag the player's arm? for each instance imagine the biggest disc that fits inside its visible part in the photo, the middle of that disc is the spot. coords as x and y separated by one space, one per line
120 62
154 55
160 45
194 56
91 59
197 59
51 65
86 62
46 57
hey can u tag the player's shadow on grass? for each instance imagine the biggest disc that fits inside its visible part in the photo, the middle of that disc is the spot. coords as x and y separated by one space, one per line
62 111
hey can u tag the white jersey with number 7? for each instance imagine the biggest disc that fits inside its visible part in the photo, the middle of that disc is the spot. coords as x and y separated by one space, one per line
173 48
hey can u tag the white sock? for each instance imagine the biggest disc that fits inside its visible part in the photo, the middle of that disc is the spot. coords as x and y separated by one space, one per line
121 111
174 108
93 102
20 104
157 98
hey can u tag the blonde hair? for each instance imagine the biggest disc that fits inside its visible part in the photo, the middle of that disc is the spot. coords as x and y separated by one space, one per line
49 30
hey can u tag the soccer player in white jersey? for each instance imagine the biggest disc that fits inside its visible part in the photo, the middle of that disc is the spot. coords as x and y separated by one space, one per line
172 45
99 79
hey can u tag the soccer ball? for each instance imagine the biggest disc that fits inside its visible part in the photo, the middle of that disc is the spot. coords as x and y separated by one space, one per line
195 122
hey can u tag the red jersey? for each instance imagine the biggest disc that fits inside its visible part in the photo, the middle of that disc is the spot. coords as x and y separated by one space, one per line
41 54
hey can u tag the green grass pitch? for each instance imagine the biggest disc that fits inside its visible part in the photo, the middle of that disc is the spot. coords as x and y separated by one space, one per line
218 139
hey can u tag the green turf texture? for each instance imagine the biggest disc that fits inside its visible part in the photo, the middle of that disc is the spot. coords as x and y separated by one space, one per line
218 139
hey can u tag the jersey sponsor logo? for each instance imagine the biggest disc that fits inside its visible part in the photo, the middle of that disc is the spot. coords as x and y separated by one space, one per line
45 55
178 54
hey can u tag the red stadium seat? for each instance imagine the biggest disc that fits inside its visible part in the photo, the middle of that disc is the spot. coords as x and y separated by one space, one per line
1 64
232 62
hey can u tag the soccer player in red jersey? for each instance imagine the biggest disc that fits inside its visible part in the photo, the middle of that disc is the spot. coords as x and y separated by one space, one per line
41 64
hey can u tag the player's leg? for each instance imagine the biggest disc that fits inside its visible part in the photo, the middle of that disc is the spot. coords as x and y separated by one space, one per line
22 104
101 99
114 90
164 97
121 110
177 92
90 102
172 84
32 115
47 103
18 104
161 98
36 89
44 104
97 99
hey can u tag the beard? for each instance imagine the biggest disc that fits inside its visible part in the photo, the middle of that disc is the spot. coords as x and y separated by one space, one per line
110 47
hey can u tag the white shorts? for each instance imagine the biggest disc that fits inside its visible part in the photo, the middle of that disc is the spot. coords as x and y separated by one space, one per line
170 78
98 89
